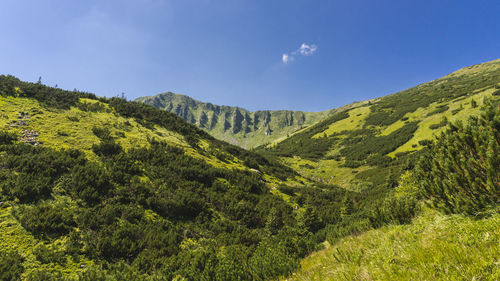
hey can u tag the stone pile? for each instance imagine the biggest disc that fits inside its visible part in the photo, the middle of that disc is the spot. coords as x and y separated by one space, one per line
29 136
18 123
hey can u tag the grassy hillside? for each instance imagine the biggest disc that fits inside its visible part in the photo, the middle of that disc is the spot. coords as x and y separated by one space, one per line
104 189
360 145
456 174
98 189
233 124
433 247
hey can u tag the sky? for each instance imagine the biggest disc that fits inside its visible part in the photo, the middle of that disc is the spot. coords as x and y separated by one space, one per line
305 55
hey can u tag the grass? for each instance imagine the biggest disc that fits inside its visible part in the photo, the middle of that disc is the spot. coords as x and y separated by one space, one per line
13 237
424 132
355 121
433 247
66 129
329 171
326 171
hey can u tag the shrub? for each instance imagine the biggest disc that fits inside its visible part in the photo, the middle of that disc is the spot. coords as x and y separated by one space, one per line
460 172
11 266
46 219
7 137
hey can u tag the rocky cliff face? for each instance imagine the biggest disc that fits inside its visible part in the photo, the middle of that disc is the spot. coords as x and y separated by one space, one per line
234 124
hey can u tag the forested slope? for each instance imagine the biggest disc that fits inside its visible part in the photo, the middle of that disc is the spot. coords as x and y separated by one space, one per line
360 146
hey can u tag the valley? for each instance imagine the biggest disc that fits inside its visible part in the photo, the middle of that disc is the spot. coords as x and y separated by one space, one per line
400 187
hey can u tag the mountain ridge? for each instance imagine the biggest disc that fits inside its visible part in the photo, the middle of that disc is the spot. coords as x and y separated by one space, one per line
235 124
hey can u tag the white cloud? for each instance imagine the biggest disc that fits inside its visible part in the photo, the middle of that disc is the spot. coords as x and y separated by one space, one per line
307 50
303 50
286 58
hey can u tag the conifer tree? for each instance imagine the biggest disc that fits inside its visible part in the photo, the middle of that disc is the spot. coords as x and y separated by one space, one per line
461 171
347 206
309 220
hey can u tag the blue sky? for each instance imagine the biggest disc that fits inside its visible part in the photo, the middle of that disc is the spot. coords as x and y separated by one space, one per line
232 51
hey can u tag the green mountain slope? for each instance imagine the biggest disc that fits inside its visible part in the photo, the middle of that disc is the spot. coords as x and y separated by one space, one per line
98 189
104 189
433 247
459 175
365 144
233 124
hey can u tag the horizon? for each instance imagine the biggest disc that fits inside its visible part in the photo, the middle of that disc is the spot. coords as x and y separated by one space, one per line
254 55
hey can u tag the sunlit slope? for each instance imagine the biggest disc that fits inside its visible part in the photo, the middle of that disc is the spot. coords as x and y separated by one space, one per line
433 247
94 188
360 144
72 127
234 124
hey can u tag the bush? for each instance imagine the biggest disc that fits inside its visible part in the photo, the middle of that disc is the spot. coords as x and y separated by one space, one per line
460 172
11 266
90 182
271 260
107 148
46 219
7 138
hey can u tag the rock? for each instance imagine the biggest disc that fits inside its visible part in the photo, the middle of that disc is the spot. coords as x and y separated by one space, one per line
17 123
29 136
24 115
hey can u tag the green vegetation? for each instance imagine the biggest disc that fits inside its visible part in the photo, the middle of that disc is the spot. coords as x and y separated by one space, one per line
165 208
305 145
104 189
460 173
233 124
457 174
433 247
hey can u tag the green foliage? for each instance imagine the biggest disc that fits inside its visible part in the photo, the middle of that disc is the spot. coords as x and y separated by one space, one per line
90 182
107 148
46 219
271 260
102 133
50 97
310 221
11 266
393 107
304 145
439 109
140 206
7 137
439 125
46 255
363 144
33 170
459 174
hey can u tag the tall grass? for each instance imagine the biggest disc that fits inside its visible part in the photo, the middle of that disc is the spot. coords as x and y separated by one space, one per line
433 247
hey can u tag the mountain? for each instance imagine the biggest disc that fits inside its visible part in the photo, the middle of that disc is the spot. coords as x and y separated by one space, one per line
95 189
234 124
364 145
